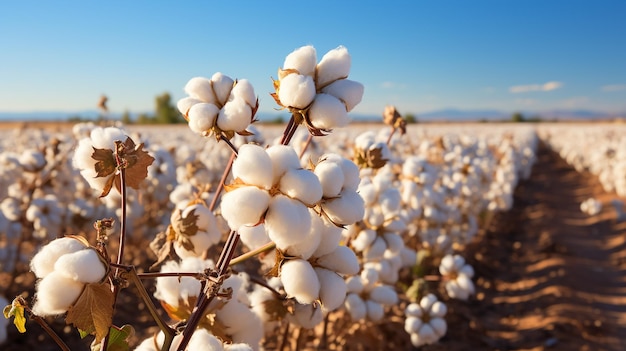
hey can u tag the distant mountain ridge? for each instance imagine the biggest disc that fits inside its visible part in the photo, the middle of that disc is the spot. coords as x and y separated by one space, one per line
437 115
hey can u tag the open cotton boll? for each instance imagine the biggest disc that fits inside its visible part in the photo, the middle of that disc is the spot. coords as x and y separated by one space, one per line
300 280
202 340
332 289
348 208
364 239
395 243
239 346
199 88
287 221
201 242
439 326
244 89
375 311
253 166
236 115
202 116
351 172
303 60
254 237
412 325
331 236
84 266
55 294
43 262
222 85
348 91
296 90
331 178
235 316
283 158
301 184
328 112
306 315
244 206
334 65
376 250
342 260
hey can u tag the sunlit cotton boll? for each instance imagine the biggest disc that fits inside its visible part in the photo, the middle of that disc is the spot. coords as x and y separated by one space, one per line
236 115
301 184
334 65
287 221
306 315
84 266
347 91
332 288
55 294
244 206
303 59
346 209
300 280
328 112
253 166
296 90
202 116
43 262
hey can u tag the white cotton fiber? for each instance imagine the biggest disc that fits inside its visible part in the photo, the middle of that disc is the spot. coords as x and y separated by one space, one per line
395 243
253 166
83 266
376 250
202 117
185 104
414 310
283 158
331 178
327 112
201 242
427 302
351 172
348 208
55 294
364 239
222 85
244 89
343 260
305 248
253 237
332 289
240 346
287 221
384 294
438 309
306 315
244 206
348 91
355 306
300 281
296 91
331 236
200 88
439 326
43 262
202 340
375 311
303 60
334 65
354 284
301 184
236 115
412 325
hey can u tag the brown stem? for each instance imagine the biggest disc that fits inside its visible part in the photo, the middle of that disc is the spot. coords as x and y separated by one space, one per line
324 339
220 187
288 127
283 342
393 131
42 323
432 278
306 145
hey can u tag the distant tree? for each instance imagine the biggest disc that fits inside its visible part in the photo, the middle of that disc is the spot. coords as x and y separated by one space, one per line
126 117
518 117
144 118
166 113
410 118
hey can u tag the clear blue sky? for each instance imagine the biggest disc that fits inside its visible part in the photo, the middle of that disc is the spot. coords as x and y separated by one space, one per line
417 55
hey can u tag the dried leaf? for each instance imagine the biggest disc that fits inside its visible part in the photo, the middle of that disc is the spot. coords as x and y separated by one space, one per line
93 311
187 225
105 165
138 162
277 309
375 158
162 246
109 185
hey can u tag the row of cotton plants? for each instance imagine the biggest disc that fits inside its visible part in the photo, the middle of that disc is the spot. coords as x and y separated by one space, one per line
254 232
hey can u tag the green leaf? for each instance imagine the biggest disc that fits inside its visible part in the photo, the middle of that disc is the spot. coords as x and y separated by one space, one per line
118 339
16 310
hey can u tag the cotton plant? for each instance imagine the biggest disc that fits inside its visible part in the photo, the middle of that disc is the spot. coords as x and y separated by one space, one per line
367 296
319 94
219 106
457 275
425 321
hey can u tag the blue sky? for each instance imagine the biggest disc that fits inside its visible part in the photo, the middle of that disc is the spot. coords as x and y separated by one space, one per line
420 56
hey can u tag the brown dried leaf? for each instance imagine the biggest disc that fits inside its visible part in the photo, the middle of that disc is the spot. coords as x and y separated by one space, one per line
277 309
109 185
138 162
93 311
105 165
186 225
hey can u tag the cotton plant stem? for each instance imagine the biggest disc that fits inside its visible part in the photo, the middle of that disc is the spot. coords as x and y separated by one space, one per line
50 332
265 248
220 187
306 145
283 342
393 131
290 124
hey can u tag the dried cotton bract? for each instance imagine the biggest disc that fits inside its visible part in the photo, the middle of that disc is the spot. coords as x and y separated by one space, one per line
319 93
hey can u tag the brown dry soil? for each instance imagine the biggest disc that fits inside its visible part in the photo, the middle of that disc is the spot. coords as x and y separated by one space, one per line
548 277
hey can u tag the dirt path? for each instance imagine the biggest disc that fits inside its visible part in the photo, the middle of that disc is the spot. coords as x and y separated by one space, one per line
549 276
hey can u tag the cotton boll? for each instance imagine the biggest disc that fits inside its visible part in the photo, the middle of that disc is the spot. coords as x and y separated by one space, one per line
305 248
330 177
327 112
374 216
185 104
253 237
43 262
331 236
348 91
348 208
395 243
222 85
205 341
253 166
364 239
412 325
343 260
350 170
438 309
334 65
384 294
306 315
439 326
375 311
296 90
427 301
202 117
303 60
244 206
283 158
354 284
236 115
201 242
376 250
301 184
332 289
244 89
356 307
55 294
84 266
199 88
287 221
300 281
414 310
236 316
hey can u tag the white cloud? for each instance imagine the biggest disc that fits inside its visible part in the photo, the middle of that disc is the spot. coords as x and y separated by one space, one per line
549 86
614 87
